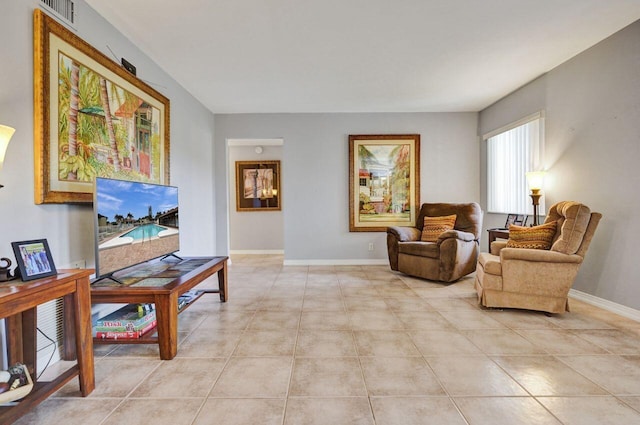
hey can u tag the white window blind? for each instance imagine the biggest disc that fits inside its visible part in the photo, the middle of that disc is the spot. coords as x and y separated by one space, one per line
512 151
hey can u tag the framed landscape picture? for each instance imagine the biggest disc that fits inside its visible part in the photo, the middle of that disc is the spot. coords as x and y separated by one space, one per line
384 181
92 118
258 186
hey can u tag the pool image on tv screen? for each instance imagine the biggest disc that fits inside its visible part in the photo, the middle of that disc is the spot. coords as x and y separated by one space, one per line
135 222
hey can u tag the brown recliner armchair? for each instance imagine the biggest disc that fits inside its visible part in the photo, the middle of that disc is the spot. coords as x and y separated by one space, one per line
538 279
451 257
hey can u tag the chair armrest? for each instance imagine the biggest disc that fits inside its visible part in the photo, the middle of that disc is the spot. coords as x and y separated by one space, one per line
539 255
496 246
405 234
456 234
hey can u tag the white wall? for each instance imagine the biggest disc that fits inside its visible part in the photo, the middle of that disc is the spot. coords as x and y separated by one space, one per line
592 105
254 231
315 181
69 228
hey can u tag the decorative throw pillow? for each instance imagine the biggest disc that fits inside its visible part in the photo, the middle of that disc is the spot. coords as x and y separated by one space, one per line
435 226
537 237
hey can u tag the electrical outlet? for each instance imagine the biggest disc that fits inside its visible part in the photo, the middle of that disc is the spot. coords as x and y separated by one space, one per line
78 264
370 246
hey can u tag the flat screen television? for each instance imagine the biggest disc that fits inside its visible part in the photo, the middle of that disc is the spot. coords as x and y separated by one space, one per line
134 222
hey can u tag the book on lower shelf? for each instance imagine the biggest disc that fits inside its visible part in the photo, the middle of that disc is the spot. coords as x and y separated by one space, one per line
130 318
125 334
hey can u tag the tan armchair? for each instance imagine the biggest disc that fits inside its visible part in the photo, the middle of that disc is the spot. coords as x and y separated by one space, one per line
453 255
536 279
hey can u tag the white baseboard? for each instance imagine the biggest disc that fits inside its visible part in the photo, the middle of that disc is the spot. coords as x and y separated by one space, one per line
256 251
354 262
622 310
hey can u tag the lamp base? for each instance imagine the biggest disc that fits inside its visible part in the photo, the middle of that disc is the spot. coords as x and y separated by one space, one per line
535 198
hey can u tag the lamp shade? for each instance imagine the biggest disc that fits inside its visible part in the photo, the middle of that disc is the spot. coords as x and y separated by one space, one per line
535 179
5 135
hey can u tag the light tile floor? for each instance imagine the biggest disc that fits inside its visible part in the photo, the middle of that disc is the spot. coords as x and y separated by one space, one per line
363 345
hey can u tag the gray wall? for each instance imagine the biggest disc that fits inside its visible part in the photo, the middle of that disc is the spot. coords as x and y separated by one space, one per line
315 173
254 231
69 228
592 105
592 132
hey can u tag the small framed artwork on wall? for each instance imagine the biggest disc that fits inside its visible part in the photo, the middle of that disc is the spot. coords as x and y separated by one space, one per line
34 259
258 186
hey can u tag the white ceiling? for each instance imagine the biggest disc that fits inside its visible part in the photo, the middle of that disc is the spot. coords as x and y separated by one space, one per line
240 56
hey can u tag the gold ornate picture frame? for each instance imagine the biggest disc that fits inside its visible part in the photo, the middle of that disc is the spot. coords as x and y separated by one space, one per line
92 118
384 181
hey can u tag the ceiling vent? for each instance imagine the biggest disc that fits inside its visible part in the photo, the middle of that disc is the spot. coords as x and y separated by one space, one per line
64 10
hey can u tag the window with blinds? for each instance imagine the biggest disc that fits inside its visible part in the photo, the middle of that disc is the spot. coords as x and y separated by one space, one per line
512 151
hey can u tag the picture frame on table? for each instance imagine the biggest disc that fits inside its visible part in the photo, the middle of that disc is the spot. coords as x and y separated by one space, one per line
92 118
384 181
258 186
517 219
34 259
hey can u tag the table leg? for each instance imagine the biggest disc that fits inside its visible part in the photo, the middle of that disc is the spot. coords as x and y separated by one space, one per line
13 327
21 337
68 328
167 325
222 282
492 237
84 337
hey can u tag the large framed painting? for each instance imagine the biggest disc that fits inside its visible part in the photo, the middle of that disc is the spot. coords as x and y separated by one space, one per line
258 186
384 181
91 118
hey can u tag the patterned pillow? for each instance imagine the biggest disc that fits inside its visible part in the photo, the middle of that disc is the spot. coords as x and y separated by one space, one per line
537 237
435 226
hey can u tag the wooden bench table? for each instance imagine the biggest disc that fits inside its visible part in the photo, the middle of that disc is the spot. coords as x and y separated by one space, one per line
162 288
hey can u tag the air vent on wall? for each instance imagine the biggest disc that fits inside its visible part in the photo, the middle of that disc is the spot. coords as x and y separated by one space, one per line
62 9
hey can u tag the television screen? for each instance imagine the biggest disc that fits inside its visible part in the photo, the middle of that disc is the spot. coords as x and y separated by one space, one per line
135 222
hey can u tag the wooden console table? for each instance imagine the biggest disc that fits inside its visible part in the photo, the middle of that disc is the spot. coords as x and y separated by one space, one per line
497 233
18 305
164 292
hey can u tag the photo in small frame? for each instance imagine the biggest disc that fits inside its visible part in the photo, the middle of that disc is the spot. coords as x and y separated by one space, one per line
34 259
517 219
521 220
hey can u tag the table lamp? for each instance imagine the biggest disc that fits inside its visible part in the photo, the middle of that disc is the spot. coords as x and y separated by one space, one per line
5 135
535 180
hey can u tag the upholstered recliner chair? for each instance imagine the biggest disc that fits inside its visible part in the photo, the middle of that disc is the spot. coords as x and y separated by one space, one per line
451 255
538 279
